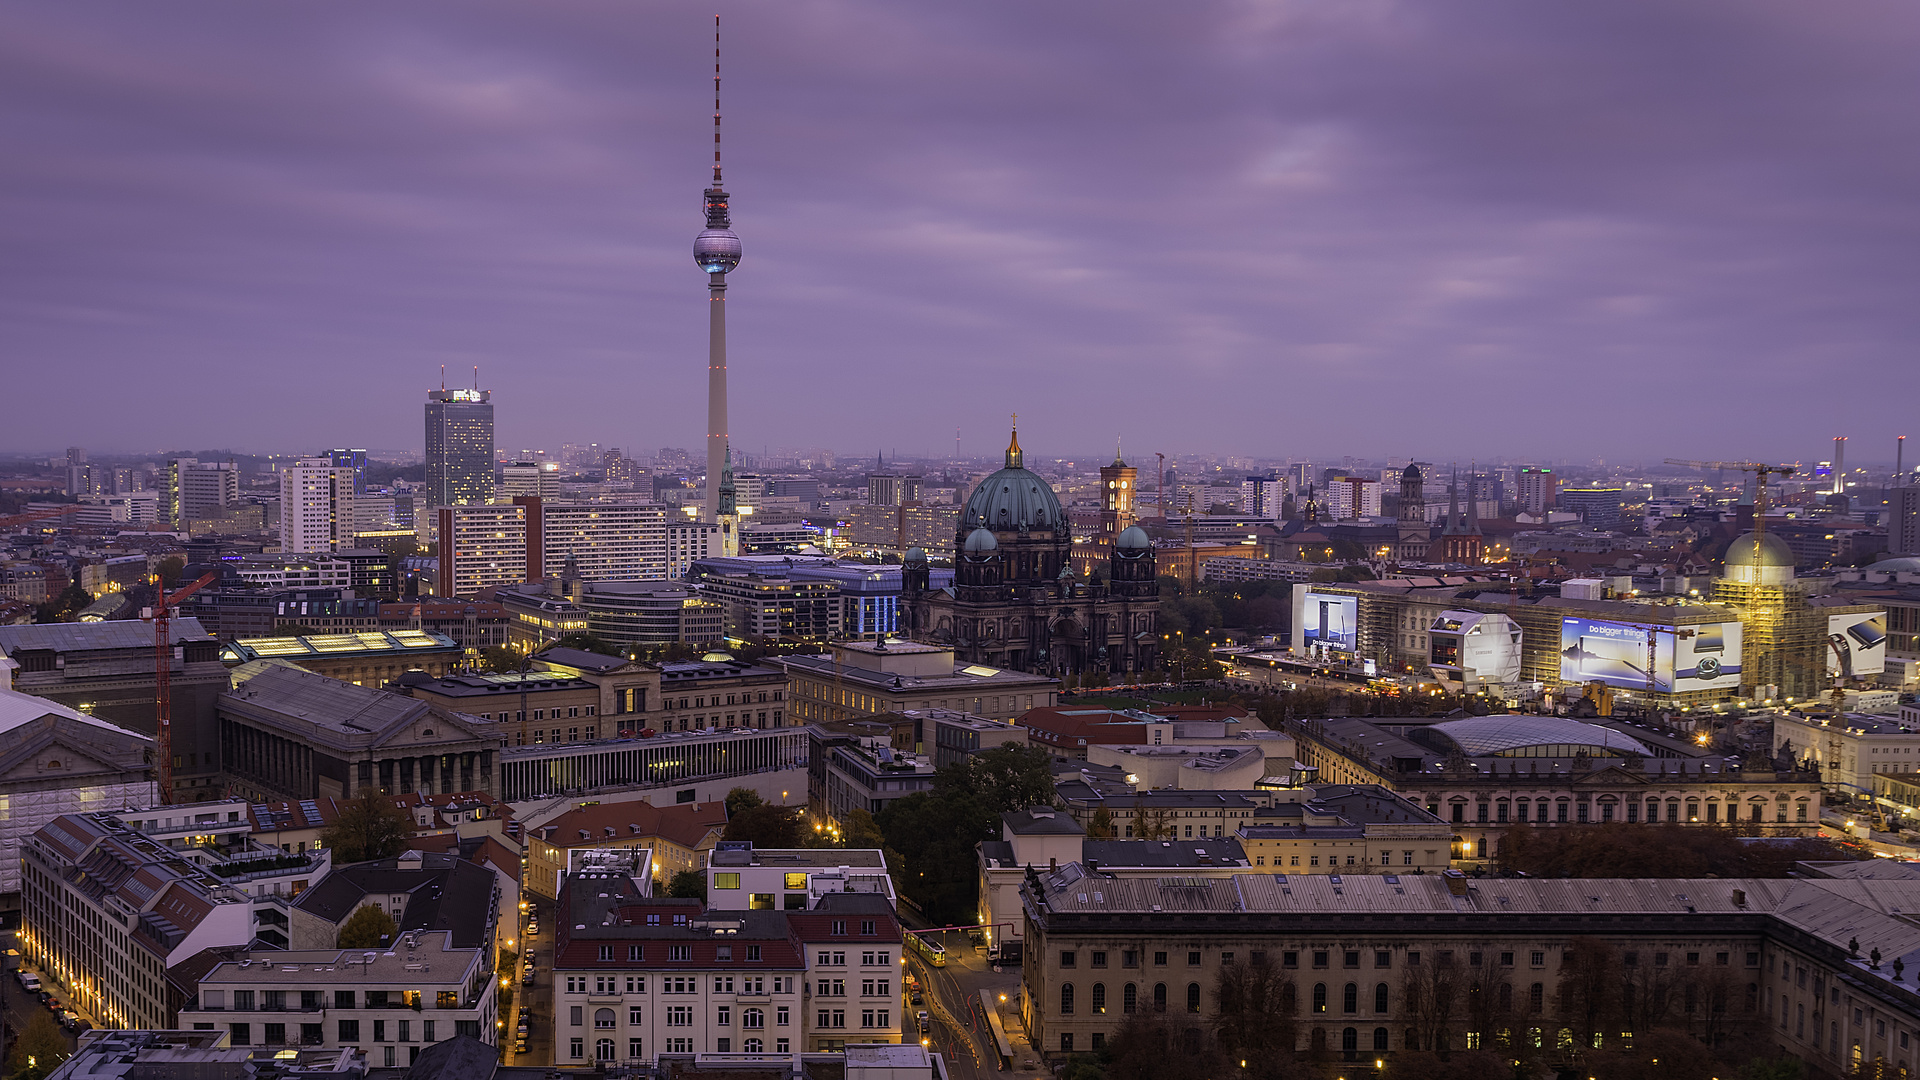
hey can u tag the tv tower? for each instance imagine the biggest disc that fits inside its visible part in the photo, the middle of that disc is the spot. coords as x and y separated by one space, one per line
717 251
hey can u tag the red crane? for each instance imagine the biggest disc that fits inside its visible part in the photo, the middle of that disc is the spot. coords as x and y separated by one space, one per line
162 672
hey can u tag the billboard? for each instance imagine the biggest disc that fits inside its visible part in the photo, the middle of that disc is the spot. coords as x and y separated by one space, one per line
1326 620
1702 657
1857 644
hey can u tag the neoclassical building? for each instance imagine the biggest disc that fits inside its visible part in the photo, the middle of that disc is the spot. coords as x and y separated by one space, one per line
1015 601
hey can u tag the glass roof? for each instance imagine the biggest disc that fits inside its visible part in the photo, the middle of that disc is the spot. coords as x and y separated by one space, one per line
1481 735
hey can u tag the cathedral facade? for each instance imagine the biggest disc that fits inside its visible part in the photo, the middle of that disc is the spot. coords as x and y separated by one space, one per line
1016 602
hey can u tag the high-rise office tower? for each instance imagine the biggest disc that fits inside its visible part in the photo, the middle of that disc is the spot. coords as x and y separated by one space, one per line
541 478
355 460
717 251
1535 489
1262 496
459 447
195 489
316 506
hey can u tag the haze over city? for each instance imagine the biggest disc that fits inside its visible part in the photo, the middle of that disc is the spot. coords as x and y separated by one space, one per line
1389 230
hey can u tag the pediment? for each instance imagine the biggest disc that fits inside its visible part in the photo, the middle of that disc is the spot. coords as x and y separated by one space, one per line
42 755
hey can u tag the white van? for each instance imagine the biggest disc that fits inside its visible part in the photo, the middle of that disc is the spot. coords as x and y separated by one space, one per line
30 981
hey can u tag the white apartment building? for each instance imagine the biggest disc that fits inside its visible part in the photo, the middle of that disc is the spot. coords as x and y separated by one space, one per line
316 506
106 912
1262 496
275 572
611 541
537 478
391 1004
1350 497
688 541
636 977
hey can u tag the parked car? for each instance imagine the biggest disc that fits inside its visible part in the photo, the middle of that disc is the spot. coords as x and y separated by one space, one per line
926 1022
30 982
919 998
527 979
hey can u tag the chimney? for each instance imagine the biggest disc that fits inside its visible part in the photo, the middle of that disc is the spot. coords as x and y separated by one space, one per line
1456 882
1739 898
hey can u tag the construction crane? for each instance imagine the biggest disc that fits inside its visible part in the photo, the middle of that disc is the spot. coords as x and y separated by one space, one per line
1761 471
42 515
162 673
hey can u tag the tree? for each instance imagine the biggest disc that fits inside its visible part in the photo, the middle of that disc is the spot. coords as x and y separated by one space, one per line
368 928
742 798
43 1043
1101 826
170 569
1004 778
1590 976
586 642
766 826
500 660
688 885
370 826
936 834
1656 1055
1255 1013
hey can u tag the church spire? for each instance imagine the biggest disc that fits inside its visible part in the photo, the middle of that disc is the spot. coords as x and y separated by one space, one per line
1015 459
1453 501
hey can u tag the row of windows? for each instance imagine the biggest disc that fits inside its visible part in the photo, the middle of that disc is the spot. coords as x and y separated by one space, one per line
1582 812
680 984
606 1049
1383 958
349 1031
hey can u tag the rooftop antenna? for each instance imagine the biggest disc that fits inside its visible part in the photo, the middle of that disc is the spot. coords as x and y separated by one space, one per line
1899 458
476 376
443 376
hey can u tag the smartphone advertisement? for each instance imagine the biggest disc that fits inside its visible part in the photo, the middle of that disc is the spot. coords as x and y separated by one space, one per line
1856 644
1702 657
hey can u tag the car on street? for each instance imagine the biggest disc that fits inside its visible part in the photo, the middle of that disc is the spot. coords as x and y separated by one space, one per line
919 998
926 1022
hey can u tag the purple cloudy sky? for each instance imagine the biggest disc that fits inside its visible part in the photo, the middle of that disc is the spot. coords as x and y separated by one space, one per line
1365 227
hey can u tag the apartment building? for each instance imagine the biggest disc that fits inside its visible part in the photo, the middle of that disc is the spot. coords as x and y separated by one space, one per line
391 1004
678 837
792 879
107 913
637 977
858 678
316 506
1363 967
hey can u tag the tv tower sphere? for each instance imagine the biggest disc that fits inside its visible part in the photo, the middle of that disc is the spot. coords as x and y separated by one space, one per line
717 251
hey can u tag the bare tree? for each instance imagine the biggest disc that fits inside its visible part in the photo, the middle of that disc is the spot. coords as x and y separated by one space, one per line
1430 993
1589 989
1257 1010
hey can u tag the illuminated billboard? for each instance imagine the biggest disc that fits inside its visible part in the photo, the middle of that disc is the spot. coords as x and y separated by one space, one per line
1326 620
1614 653
1857 644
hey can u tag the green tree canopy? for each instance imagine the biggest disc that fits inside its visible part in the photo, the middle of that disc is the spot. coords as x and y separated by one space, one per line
1618 849
688 885
742 798
1010 777
368 928
369 827
589 643
500 660
766 826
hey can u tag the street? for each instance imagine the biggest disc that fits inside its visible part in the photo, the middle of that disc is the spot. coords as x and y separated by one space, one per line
961 1032
538 997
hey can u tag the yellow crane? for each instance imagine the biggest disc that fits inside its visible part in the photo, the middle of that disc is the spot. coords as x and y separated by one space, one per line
1761 471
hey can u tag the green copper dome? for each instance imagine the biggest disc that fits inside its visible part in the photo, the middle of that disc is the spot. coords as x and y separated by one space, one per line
1013 499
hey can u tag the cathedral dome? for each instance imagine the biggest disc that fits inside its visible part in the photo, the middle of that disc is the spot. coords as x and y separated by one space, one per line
1760 559
981 542
915 557
1411 472
1013 498
1133 538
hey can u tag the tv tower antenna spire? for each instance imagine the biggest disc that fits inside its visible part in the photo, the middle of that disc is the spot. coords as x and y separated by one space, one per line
717 251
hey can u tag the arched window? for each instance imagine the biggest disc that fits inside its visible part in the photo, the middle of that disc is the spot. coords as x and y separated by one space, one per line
1159 997
1537 997
1350 1040
603 1050
1129 998
1099 998
603 1019
1066 999
753 1018
1380 999
1350 999
1193 997
1380 1039
754 1046
1319 997
1289 999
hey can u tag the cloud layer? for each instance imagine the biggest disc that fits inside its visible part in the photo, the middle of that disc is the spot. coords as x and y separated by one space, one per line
1376 228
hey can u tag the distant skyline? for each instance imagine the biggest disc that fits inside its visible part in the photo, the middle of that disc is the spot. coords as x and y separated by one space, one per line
1493 230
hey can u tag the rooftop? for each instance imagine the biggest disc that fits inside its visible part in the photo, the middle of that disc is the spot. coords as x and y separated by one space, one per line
1501 735
1115 854
106 1054
799 858
443 893
1041 821
483 684
84 637
320 646
405 964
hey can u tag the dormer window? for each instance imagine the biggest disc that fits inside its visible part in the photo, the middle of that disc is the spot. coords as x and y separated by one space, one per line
839 927
723 952
866 927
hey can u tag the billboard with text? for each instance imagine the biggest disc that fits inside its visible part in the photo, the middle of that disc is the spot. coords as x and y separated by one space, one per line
1702 657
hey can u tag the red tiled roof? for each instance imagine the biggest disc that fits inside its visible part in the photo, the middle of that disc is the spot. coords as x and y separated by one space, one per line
817 927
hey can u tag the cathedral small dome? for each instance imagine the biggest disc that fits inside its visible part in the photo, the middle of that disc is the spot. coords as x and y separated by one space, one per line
1411 472
981 542
1133 538
1760 559
915 557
